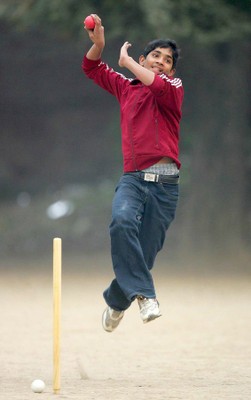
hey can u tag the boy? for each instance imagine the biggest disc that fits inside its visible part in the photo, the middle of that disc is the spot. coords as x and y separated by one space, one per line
145 199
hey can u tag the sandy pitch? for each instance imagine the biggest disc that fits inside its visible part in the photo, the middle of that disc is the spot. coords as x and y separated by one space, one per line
199 349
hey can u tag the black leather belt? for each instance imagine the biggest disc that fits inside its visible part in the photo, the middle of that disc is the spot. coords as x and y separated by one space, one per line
150 177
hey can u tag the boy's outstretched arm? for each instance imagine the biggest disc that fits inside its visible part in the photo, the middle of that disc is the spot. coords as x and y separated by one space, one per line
143 74
97 36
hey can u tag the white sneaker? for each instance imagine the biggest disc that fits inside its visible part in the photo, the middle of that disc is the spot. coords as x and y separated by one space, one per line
111 319
149 309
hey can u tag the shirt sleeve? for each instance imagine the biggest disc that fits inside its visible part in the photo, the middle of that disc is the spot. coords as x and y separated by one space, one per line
168 92
104 76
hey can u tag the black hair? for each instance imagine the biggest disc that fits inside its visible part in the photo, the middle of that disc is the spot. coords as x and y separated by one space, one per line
163 43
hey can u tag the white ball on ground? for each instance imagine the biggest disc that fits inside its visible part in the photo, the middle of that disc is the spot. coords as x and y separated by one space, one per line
38 386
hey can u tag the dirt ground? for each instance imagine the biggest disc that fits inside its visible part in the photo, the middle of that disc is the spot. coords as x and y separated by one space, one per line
199 349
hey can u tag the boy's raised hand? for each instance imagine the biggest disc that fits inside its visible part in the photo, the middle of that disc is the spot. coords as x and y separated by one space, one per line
143 74
97 35
123 57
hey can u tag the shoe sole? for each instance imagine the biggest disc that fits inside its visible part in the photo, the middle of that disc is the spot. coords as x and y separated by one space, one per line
151 318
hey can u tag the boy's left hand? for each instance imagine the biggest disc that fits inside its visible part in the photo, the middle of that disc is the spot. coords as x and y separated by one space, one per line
124 54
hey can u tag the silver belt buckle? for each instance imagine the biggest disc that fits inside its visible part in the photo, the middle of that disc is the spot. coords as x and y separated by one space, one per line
151 177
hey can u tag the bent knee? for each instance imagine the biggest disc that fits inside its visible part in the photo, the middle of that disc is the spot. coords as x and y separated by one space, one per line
122 219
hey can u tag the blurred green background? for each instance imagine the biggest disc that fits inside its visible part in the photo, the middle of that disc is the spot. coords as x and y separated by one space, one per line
60 136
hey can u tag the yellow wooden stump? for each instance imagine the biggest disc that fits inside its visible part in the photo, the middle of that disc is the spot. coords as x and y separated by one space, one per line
57 278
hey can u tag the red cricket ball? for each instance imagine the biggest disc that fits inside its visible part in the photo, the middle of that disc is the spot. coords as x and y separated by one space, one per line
89 22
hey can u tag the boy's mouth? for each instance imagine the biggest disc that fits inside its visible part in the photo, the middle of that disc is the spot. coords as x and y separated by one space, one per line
157 70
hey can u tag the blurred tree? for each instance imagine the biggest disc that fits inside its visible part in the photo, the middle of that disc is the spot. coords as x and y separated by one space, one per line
66 16
218 123
203 21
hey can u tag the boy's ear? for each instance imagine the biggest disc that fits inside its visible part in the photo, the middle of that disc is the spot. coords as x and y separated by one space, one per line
141 60
172 72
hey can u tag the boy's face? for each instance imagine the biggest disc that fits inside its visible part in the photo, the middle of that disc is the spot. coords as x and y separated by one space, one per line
160 61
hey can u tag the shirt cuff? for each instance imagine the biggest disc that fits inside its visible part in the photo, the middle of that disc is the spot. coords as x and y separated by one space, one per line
91 63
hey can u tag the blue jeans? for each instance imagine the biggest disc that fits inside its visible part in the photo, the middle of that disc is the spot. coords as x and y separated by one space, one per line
141 214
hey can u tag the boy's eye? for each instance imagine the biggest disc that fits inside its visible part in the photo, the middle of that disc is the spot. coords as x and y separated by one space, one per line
167 60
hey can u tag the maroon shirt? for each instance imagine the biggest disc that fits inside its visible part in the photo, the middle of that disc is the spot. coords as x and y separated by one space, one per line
150 115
